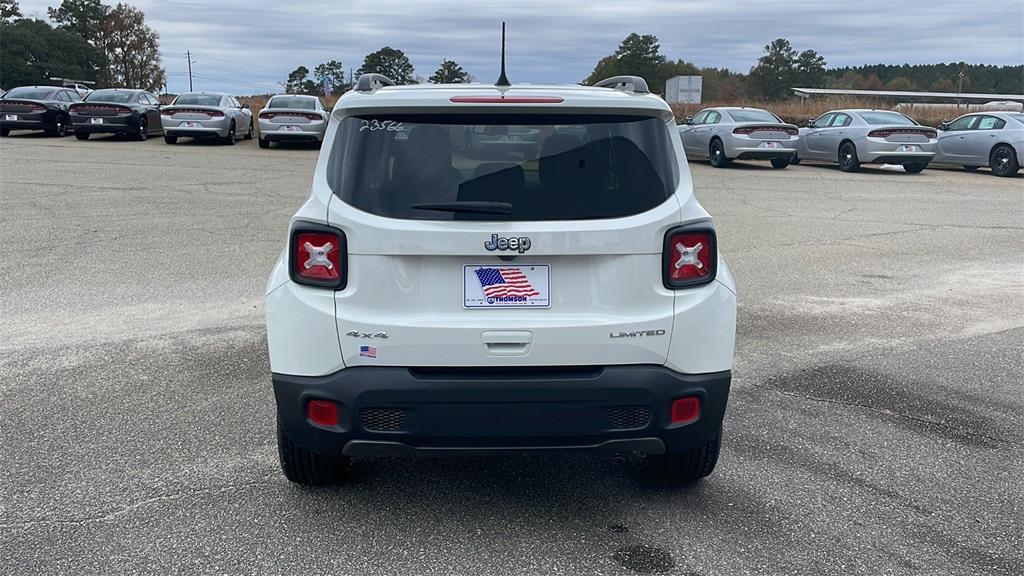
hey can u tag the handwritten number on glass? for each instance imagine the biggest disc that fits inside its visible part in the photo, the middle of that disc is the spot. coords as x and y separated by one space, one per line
377 125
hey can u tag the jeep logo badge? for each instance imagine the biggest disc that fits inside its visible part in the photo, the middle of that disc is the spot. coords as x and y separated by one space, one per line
520 244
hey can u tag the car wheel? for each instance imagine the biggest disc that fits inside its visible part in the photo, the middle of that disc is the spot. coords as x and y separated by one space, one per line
308 468
915 167
143 132
264 143
717 154
780 163
848 161
82 135
230 138
60 126
5 131
248 133
1003 161
170 139
795 160
691 465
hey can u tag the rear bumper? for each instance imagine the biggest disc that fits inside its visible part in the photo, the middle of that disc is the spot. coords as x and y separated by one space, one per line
310 132
902 158
109 126
390 411
32 124
763 154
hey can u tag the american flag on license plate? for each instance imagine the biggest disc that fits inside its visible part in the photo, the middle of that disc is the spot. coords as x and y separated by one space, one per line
368 351
500 282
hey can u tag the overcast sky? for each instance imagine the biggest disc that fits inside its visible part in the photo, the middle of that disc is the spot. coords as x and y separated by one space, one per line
249 46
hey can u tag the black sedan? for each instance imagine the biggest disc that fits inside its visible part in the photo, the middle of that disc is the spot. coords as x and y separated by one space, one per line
37 108
134 113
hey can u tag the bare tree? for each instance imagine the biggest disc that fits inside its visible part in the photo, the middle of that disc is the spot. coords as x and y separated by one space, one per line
132 50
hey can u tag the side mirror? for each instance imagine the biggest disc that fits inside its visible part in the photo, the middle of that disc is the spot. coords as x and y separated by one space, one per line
689 120
810 123
944 125
245 106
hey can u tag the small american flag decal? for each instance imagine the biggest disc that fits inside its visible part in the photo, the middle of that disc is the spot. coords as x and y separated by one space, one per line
368 351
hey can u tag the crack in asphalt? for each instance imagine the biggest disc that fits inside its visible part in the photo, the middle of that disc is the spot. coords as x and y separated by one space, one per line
887 413
111 516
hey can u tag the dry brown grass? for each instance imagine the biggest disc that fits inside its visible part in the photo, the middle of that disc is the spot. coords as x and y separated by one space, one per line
798 113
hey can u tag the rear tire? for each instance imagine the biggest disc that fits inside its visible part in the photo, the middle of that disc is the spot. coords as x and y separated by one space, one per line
264 143
691 465
308 468
170 139
716 152
82 135
248 133
915 167
1003 161
848 161
143 132
230 138
60 126
780 163
795 160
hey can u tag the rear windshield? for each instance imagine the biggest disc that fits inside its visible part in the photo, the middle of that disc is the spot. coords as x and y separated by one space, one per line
29 93
292 102
753 116
1017 117
886 118
112 96
547 167
198 100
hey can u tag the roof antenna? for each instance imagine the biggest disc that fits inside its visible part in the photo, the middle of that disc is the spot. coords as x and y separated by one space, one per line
502 80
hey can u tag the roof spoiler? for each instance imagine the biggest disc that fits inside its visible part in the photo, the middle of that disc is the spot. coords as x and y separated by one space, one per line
634 84
370 82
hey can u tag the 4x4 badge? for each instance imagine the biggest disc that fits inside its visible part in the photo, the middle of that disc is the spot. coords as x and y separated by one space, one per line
520 244
358 334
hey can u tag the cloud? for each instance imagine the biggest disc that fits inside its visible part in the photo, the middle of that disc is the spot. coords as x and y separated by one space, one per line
250 46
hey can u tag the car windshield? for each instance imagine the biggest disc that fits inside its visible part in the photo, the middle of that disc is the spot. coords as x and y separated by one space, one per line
753 116
112 96
545 166
292 102
29 93
886 118
197 100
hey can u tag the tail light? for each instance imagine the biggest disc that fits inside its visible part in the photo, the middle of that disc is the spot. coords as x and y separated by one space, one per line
752 129
690 257
270 115
318 256
907 131
173 111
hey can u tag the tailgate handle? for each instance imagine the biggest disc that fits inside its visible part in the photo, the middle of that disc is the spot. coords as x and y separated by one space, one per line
507 343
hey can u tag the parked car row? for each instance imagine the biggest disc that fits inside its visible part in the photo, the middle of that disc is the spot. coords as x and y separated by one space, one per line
853 137
138 114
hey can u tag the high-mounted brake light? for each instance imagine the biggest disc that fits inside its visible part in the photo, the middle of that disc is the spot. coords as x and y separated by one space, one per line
506 99
690 257
318 256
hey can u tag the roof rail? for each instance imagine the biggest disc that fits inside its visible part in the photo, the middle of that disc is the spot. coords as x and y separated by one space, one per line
634 84
370 82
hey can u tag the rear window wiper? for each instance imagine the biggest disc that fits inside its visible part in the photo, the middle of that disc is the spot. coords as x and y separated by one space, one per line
467 206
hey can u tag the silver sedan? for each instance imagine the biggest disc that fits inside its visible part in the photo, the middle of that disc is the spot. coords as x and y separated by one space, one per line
206 115
993 139
293 118
854 137
726 134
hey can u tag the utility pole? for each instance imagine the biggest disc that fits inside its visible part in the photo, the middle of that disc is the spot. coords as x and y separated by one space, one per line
188 54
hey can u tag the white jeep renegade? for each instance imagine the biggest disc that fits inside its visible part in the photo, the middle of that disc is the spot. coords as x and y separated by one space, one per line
500 268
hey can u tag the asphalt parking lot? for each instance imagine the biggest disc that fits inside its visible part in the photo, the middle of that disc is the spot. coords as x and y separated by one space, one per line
875 425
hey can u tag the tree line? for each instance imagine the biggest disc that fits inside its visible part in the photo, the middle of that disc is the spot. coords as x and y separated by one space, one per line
329 77
782 67
91 41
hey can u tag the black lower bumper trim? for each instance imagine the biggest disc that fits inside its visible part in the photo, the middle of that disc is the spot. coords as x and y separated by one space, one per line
901 160
765 155
387 411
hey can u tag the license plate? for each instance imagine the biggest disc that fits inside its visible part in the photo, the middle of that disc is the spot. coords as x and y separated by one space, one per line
909 148
11 117
292 129
771 144
507 286
190 125
96 120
